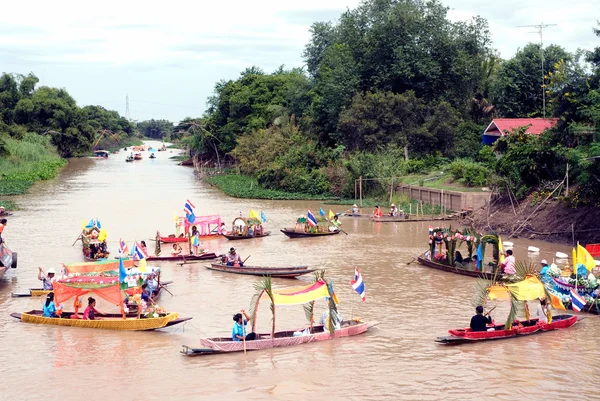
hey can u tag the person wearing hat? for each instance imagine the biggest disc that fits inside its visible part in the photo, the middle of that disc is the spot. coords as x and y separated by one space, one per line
545 267
234 258
46 278
393 210
355 209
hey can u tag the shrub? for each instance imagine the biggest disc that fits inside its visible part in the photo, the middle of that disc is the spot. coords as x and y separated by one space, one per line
470 173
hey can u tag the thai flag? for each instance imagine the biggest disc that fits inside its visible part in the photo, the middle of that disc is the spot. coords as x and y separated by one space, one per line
189 211
138 253
123 246
357 284
311 219
577 301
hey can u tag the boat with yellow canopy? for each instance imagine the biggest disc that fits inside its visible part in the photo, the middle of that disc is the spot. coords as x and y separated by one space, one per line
333 328
519 293
109 289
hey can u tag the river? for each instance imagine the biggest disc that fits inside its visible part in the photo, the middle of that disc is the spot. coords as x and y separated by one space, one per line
396 360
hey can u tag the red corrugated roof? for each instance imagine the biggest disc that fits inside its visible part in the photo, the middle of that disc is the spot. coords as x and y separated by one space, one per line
498 126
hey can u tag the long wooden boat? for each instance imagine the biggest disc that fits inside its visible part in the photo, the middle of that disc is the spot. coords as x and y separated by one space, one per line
5 214
235 237
359 215
282 272
172 240
455 269
108 321
281 339
40 292
391 219
519 328
295 234
204 256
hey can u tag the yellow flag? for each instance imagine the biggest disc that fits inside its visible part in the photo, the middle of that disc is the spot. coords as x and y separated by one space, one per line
556 302
253 214
584 258
176 218
574 252
142 265
102 235
500 251
82 225
331 214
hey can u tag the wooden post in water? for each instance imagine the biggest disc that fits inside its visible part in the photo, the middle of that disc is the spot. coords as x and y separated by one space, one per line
391 190
360 189
355 189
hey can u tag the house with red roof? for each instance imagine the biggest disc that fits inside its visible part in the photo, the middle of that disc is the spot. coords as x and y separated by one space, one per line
499 127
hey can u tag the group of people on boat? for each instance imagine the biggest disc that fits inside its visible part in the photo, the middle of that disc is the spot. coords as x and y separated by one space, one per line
250 230
52 310
482 322
394 212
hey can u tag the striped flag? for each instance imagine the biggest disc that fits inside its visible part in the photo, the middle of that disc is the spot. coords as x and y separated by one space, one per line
189 211
312 221
123 246
357 284
138 253
577 301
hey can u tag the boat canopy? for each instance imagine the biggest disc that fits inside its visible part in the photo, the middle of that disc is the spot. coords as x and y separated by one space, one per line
245 221
527 290
204 223
107 288
300 295
95 267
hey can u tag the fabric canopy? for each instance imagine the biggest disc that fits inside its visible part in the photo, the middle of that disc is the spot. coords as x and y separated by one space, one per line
527 290
203 223
107 288
95 267
300 295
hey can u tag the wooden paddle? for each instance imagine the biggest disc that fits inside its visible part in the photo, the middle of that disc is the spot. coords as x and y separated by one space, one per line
244 261
78 238
244 330
490 311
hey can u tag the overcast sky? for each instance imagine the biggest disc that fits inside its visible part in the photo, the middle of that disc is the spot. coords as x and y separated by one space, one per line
168 55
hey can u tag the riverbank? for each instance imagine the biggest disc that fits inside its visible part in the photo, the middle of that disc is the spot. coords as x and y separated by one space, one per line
553 221
27 161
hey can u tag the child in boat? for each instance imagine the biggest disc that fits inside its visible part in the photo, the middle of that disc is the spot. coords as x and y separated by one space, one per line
238 331
91 312
49 307
176 250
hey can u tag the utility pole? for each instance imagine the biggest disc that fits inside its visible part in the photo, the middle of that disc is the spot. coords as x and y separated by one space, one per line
127 115
540 31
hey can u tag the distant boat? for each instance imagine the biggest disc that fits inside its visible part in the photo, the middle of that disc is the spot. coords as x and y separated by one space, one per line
561 255
101 153
533 249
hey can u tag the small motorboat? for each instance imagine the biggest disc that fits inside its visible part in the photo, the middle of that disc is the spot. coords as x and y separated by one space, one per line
152 156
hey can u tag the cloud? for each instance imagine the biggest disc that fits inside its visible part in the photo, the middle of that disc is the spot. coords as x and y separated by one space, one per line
308 17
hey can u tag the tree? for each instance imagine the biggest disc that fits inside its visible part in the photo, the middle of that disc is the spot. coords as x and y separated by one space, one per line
156 129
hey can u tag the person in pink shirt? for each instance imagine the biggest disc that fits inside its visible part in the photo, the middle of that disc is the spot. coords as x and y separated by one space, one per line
90 312
508 266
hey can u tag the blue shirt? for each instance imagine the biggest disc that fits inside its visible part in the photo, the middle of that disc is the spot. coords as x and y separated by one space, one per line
50 310
237 330
544 270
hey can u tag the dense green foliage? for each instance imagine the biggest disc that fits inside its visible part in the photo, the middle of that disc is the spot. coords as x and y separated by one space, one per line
155 129
394 88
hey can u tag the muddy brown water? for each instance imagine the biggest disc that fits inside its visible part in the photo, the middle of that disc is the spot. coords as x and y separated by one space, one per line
396 360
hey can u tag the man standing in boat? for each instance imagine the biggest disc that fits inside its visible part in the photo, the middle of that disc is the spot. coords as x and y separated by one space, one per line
46 279
508 266
479 322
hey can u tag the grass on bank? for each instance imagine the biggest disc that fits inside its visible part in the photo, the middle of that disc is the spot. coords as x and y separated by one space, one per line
438 180
241 186
27 161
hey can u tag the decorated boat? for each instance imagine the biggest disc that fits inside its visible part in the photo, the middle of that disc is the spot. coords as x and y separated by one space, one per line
109 289
152 156
129 159
184 258
137 156
281 272
93 240
332 328
519 293
311 226
207 228
444 244
246 228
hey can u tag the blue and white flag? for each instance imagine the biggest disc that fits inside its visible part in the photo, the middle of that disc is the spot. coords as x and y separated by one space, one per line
312 221
357 284
263 217
577 301
189 211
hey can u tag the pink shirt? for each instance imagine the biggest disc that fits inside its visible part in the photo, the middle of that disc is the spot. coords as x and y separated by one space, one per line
509 265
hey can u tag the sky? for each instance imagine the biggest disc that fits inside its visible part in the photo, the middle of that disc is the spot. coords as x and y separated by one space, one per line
167 56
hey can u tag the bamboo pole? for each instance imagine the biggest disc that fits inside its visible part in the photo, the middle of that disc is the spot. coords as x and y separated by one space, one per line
360 189
392 190
355 189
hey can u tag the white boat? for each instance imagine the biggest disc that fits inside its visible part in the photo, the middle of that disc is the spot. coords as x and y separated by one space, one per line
508 244
561 255
533 249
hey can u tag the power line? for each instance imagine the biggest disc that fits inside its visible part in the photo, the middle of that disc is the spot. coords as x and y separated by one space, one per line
540 30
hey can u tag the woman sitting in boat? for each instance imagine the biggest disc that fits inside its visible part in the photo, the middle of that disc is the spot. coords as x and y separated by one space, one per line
146 294
237 333
393 210
336 222
176 250
144 247
458 257
49 307
91 312
251 231
222 229
377 212
234 258
479 322
46 279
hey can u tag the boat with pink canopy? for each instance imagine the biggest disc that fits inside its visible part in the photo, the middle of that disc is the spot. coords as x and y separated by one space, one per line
306 295
207 226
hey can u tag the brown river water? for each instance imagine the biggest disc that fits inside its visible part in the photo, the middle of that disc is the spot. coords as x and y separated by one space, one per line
396 360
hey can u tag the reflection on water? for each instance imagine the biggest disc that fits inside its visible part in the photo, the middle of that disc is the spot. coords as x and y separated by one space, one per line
397 360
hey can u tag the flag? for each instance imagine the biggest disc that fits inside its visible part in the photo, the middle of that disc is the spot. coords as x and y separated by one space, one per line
321 211
331 214
138 253
263 217
102 235
332 293
584 258
189 211
122 271
556 302
357 284
97 223
142 265
577 301
574 255
196 241
479 257
312 221
83 225
500 251
253 214
123 246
